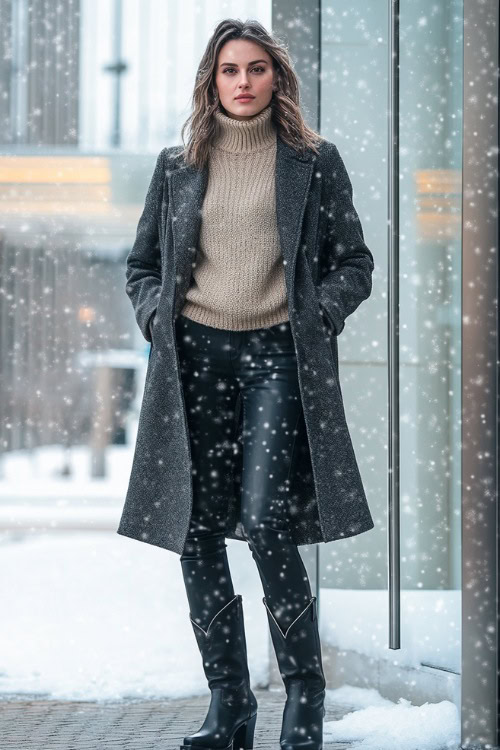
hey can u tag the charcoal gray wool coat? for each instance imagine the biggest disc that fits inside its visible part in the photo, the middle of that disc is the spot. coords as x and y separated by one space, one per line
328 270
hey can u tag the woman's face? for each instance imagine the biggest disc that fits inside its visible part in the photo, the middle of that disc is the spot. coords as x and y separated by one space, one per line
243 67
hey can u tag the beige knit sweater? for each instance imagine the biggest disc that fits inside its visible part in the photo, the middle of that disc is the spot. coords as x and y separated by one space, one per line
238 280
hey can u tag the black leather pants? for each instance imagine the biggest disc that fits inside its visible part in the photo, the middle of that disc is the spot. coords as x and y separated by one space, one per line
260 364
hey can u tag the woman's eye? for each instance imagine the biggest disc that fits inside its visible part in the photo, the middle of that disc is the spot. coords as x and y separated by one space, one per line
257 67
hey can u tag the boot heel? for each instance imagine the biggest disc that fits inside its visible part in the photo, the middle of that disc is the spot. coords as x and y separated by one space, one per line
243 738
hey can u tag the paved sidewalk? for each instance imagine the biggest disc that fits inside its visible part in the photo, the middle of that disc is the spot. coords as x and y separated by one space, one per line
37 724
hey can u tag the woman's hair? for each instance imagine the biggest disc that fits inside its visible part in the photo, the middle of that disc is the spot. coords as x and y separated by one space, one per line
286 113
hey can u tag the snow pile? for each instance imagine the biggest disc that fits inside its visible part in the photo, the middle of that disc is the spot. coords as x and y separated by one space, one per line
383 725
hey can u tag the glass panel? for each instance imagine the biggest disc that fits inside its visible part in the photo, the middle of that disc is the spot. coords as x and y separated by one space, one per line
354 577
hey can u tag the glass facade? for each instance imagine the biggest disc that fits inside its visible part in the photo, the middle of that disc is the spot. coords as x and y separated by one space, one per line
354 103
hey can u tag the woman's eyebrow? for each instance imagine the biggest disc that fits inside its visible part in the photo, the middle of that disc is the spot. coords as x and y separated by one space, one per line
236 65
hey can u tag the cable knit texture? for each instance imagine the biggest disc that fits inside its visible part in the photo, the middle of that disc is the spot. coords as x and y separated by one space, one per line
238 282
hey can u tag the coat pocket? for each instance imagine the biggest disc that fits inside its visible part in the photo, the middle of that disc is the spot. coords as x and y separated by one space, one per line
327 319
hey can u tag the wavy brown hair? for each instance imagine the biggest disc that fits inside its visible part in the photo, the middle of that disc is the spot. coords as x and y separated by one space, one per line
286 114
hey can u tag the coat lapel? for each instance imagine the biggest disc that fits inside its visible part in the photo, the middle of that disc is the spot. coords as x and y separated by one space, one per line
187 187
293 180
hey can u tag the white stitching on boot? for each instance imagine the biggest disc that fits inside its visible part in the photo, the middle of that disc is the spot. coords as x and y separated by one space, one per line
213 618
288 628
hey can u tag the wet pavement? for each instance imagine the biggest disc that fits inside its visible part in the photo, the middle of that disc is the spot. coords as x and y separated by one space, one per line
32 723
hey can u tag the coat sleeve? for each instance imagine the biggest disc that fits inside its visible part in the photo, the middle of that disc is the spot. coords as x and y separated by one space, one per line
143 272
346 262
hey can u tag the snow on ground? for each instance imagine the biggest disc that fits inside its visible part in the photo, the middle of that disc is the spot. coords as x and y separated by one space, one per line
91 615
380 724
42 481
97 616
350 619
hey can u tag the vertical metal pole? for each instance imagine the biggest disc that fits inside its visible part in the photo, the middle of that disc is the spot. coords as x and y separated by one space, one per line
117 68
393 332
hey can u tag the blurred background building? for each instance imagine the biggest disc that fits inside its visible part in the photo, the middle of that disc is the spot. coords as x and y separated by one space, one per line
89 94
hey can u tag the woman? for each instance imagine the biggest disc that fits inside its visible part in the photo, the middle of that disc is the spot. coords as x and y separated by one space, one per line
248 258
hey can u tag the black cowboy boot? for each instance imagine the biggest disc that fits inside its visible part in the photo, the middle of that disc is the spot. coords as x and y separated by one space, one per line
231 718
298 652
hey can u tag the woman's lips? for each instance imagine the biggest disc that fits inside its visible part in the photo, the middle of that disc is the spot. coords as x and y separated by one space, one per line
245 99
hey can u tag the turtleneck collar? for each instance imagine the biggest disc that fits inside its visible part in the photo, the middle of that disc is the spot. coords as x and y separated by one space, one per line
245 136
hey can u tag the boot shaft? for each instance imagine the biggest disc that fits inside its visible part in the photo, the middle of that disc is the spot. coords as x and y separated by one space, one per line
298 651
298 648
223 648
